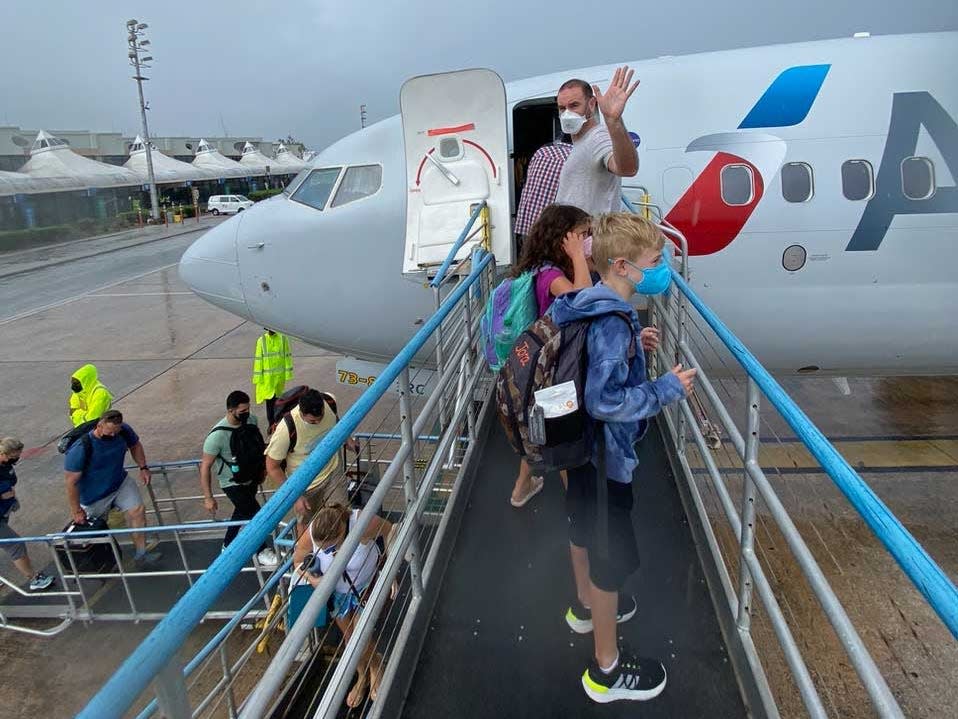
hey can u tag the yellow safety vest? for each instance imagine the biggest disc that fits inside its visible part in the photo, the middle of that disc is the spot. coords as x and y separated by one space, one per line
272 366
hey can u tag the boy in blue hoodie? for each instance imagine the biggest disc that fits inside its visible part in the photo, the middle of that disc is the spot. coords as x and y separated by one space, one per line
628 253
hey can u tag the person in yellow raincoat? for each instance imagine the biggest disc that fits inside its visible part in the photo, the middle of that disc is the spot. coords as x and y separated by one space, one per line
272 368
89 398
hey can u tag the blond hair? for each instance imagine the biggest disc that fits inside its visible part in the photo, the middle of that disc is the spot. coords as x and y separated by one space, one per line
9 445
622 234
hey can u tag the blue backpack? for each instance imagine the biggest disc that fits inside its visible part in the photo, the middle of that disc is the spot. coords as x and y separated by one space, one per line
511 308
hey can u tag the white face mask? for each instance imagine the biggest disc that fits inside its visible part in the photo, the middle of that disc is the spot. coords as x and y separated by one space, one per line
571 122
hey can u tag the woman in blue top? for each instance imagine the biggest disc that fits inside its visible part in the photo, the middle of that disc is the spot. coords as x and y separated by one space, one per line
10 450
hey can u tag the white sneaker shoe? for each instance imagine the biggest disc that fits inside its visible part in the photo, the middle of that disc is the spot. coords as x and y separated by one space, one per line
267 557
40 582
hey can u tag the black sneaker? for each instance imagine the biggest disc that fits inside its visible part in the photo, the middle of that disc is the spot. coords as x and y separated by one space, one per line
633 679
579 618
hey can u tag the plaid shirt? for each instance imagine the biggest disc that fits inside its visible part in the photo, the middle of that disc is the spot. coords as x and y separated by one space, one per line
542 183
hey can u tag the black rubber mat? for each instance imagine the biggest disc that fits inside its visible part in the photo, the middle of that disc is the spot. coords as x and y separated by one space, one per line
498 645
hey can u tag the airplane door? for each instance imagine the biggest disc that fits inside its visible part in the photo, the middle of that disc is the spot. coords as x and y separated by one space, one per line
455 135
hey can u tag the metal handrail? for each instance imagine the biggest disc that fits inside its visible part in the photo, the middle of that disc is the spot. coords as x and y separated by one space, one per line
457 245
928 578
155 657
224 631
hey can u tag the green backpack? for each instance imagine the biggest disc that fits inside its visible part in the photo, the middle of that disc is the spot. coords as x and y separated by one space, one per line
511 308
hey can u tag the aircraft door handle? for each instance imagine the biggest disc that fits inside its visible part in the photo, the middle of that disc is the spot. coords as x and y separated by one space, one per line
257 246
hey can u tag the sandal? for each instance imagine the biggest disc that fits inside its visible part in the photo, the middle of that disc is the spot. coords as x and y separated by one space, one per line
537 484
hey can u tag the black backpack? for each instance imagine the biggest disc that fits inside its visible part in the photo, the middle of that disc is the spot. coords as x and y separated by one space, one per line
545 356
81 433
248 463
70 438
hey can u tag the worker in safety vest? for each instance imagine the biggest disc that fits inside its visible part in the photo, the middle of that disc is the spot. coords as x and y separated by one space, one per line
89 398
272 367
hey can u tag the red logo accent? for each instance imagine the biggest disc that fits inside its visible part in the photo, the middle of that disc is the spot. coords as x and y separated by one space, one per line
702 215
522 353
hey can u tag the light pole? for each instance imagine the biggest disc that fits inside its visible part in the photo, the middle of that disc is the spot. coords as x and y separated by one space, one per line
138 45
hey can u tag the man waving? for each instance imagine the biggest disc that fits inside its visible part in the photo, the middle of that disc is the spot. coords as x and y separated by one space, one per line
601 154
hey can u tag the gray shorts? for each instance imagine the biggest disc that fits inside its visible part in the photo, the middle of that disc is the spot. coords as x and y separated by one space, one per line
125 498
15 550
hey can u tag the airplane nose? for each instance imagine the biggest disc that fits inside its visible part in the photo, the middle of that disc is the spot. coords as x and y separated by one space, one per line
210 268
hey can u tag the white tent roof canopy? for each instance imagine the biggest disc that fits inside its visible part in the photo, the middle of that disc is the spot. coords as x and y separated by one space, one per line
285 159
212 161
165 169
254 159
51 157
54 167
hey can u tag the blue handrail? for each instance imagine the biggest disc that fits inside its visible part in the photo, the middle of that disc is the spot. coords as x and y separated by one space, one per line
921 569
444 268
224 632
122 689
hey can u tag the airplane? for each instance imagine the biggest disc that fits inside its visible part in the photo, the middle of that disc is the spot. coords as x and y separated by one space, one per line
815 182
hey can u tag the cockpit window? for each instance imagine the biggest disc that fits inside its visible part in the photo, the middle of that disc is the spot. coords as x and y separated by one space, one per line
358 182
292 184
316 189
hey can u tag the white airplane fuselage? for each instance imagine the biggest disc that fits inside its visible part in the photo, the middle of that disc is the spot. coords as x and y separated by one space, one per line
873 295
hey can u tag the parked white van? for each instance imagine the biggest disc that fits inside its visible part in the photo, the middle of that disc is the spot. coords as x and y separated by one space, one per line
227 204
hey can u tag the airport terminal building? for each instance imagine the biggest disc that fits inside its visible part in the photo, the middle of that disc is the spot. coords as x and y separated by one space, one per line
55 178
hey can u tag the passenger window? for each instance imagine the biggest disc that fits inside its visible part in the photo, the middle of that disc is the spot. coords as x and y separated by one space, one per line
358 182
917 178
736 181
797 183
858 180
315 189
450 149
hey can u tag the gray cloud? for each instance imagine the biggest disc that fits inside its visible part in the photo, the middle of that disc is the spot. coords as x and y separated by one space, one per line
304 67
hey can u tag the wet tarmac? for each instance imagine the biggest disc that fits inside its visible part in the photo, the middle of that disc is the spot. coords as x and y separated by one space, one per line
170 360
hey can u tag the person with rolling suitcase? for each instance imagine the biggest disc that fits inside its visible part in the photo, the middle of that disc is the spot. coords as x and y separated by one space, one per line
97 482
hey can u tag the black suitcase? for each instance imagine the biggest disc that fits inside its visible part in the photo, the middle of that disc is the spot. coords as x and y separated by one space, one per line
89 557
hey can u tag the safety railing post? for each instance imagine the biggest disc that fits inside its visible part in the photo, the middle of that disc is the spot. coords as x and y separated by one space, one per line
410 487
228 678
76 576
681 311
171 697
466 367
169 491
746 545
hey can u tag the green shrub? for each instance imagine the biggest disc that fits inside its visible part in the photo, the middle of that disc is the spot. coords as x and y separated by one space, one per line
263 194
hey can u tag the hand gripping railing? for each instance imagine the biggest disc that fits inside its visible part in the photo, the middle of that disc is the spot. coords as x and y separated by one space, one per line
155 658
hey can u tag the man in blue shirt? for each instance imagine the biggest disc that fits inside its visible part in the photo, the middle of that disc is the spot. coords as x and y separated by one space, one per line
96 481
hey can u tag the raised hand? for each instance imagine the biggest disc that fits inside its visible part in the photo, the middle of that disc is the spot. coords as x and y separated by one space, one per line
612 103
574 245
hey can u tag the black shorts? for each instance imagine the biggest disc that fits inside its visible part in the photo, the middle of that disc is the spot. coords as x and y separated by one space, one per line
610 561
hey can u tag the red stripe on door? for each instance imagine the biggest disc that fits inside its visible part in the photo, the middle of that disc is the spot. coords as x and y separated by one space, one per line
451 130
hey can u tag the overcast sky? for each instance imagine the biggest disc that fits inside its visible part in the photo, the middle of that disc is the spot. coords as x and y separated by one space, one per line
304 66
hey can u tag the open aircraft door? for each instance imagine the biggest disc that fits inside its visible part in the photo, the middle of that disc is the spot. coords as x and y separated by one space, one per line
457 151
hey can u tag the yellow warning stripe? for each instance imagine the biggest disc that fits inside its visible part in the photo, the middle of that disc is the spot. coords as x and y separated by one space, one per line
871 454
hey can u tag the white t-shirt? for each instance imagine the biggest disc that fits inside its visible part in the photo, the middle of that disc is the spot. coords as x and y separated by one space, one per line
585 181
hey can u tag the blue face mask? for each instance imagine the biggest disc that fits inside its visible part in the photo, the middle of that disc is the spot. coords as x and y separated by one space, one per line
655 280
